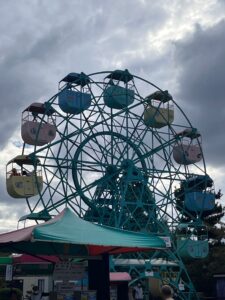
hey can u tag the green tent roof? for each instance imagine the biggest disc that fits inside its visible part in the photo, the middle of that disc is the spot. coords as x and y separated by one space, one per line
6 260
67 234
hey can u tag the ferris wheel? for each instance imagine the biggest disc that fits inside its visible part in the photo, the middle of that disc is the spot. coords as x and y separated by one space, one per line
117 150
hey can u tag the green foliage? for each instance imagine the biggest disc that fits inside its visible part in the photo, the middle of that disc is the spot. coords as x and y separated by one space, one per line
211 217
214 216
2 283
5 293
202 271
216 235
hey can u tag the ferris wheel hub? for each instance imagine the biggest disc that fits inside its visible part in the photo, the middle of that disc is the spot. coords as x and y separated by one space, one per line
127 163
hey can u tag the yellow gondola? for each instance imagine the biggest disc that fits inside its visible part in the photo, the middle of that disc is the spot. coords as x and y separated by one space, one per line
24 180
159 112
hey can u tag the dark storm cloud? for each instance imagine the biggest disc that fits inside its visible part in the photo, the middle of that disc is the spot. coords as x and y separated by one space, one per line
201 61
42 42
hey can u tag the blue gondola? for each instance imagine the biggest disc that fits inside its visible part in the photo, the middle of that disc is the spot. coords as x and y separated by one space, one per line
199 201
74 102
74 98
197 193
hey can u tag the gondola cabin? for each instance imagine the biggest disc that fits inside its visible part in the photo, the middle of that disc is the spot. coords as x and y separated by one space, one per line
118 97
118 92
192 243
158 112
23 177
188 150
197 193
198 201
38 126
74 98
35 216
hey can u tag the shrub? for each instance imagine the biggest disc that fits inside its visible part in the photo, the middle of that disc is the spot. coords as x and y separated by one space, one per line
6 292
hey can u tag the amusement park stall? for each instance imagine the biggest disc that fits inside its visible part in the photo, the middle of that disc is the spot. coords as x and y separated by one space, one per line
49 274
34 271
68 236
119 289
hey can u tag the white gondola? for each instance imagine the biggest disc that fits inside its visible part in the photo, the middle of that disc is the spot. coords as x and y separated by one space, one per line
36 130
188 150
23 177
159 112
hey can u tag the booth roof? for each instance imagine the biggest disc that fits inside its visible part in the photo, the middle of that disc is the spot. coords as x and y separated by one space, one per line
67 234
29 259
119 276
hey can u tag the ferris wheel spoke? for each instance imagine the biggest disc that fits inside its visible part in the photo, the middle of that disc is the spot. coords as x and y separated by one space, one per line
54 177
60 202
91 164
68 122
63 153
110 153
95 160
117 152
85 186
124 151
122 125
99 151
135 126
100 110
160 174
102 150
74 205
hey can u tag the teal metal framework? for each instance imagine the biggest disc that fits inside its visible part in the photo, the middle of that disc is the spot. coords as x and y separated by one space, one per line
111 167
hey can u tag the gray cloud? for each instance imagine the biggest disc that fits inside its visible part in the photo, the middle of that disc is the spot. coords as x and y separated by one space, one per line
42 42
201 61
11 209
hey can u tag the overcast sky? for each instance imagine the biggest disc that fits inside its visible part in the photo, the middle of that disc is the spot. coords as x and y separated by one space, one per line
178 45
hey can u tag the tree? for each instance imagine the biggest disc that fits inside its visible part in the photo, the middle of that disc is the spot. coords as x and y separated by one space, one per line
201 271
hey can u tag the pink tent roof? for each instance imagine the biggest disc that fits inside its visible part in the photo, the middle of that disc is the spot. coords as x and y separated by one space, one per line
119 276
29 259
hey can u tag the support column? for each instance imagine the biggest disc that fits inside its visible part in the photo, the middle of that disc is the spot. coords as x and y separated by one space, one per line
98 273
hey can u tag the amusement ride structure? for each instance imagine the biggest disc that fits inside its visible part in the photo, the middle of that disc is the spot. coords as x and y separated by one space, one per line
119 151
